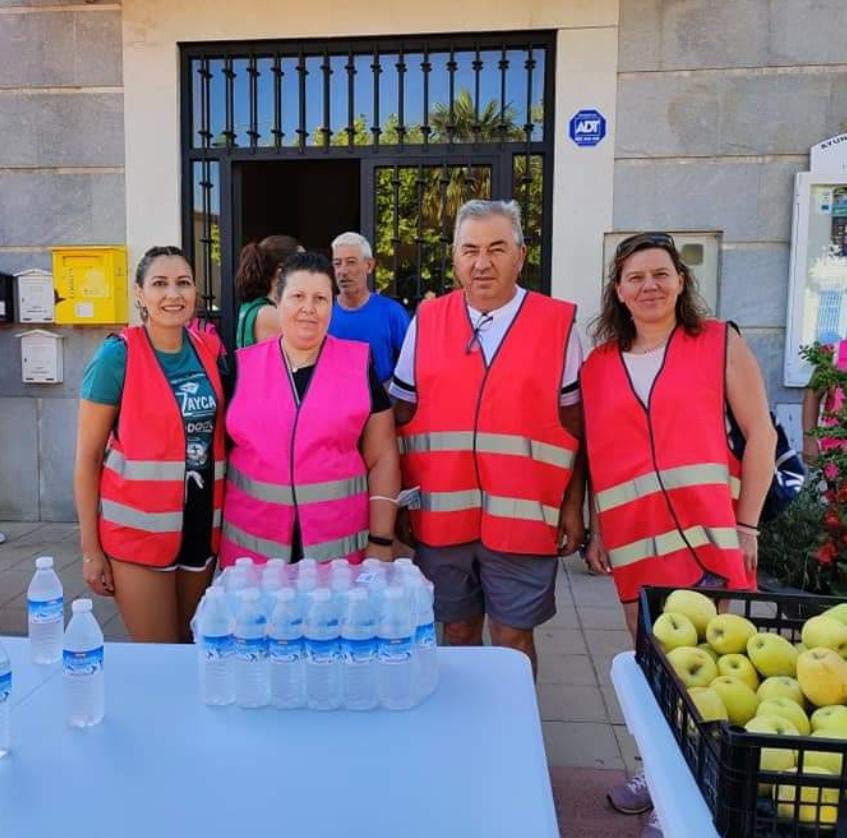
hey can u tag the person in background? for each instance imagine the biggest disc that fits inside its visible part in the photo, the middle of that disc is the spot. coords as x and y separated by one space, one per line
670 503
258 268
489 428
832 402
360 314
313 465
150 455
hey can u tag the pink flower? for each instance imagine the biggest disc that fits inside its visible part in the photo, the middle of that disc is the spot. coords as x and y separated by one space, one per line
830 471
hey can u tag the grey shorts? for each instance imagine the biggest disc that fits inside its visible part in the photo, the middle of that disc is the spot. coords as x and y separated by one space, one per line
515 590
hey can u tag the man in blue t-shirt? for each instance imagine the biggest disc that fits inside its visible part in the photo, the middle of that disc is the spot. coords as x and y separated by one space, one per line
359 314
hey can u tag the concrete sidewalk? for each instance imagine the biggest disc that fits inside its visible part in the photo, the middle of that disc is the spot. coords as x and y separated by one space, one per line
588 746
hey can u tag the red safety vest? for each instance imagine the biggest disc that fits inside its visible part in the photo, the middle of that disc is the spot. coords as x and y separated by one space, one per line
485 443
663 478
295 459
142 483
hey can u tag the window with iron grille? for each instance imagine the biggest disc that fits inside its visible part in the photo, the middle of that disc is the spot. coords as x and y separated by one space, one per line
430 121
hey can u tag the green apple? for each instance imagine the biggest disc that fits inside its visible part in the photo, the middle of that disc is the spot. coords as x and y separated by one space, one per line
709 704
773 759
830 760
772 654
740 701
674 630
728 633
839 612
791 710
816 811
709 650
781 685
827 632
822 674
776 725
696 606
739 666
694 666
830 718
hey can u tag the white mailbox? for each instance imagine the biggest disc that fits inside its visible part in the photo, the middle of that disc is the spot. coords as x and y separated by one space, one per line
817 292
36 300
41 357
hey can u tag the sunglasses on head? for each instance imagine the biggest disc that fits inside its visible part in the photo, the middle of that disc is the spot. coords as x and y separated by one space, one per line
633 242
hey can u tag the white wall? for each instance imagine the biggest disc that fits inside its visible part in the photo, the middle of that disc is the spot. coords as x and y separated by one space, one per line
586 77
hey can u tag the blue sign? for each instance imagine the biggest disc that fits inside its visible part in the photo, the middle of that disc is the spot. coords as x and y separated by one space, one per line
587 128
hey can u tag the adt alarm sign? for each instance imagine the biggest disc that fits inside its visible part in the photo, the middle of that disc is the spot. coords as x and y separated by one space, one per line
587 128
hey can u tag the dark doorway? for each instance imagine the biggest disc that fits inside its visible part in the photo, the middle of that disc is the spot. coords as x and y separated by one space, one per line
312 200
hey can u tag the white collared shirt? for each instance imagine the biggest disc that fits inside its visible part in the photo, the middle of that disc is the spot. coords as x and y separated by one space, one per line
493 328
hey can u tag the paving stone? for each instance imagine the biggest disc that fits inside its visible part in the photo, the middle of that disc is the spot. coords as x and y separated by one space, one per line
13 621
13 585
566 669
595 617
565 703
628 749
603 667
589 744
564 618
613 708
608 643
558 641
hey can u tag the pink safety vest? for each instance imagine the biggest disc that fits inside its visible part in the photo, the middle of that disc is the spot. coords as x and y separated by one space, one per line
834 399
297 460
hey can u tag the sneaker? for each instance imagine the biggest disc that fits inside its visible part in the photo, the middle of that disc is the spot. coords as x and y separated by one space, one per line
631 797
652 829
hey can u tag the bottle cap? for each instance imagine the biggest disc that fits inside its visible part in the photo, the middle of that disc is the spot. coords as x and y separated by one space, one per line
44 562
80 606
244 561
404 562
371 563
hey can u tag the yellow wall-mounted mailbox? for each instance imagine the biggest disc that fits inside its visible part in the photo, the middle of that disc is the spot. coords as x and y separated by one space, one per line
90 284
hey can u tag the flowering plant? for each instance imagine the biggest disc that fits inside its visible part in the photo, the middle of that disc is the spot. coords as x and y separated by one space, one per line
822 553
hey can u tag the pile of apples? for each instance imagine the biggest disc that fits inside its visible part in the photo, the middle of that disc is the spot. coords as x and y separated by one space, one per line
766 684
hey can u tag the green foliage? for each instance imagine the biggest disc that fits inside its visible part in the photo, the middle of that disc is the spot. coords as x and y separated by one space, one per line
807 545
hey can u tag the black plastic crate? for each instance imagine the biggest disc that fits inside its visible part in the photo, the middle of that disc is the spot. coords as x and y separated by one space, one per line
724 758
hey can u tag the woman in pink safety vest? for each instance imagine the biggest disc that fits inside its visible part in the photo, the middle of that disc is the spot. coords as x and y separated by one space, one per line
832 402
313 469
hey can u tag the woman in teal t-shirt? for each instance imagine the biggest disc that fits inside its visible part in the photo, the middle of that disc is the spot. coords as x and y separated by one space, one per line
258 267
157 577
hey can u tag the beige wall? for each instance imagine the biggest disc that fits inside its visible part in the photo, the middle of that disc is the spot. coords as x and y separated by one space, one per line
586 77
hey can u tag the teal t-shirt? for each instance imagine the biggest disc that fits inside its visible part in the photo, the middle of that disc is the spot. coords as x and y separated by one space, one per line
103 382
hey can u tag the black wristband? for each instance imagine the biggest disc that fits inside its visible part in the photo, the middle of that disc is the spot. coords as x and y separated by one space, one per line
382 541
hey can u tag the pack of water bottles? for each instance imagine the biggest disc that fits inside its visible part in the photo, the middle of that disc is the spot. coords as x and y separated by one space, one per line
323 636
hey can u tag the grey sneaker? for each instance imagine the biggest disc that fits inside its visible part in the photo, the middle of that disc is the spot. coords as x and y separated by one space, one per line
652 829
631 797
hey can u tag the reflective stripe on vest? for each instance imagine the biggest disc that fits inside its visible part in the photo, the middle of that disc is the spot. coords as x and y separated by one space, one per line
151 469
127 516
725 538
671 478
518 508
307 493
487 443
324 551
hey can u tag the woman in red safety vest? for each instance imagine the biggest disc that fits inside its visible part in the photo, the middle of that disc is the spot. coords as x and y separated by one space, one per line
671 505
150 457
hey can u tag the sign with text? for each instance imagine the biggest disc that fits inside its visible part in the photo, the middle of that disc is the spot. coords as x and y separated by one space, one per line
587 127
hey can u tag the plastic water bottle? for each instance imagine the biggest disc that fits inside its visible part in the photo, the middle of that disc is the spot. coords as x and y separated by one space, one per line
280 566
307 566
250 568
270 585
305 585
45 607
426 653
395 676
252 679
5 703
285 633
340 582
216 650
237 580
83 667
375 581
358 653
323 653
